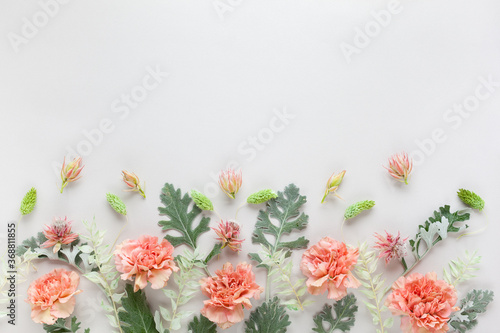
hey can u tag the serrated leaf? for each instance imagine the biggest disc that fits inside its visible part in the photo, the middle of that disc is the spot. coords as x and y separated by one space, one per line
285 210
202 325
32 243
181 218
60 326
270 317
137 314
345 312
471 306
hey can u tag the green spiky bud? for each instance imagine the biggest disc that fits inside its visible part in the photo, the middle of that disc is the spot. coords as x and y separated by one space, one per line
358 207
201 200
261 196
29 202
116 203
471 199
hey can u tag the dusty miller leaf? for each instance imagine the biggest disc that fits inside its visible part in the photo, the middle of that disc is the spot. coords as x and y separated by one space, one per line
345 312
270 317
181 218
202 325
60 326
437 227
32 243
137 314
471 305
285 209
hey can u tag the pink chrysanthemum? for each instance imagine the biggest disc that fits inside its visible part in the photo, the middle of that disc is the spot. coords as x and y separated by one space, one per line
400 167
328 266
51 296
230 182
58 233
229 235
145 260
229 291
70 172
391 246
424 302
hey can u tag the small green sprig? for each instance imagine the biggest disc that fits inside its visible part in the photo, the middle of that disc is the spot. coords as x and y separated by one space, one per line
355 209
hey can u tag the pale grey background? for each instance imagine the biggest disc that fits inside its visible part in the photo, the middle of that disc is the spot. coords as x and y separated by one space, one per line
228 74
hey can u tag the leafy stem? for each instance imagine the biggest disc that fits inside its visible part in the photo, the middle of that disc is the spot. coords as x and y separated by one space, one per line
289 282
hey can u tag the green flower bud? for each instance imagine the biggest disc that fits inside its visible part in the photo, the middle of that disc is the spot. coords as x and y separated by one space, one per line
29 202
201 200
471 199
261 196
116 203
358 207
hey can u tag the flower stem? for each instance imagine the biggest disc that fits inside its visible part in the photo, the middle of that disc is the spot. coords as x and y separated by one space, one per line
477 231
237 210
119 233
342 230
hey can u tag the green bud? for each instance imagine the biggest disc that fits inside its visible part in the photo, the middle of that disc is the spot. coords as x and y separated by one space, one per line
29 202
261 196
116 203
471 199
201 200
358 207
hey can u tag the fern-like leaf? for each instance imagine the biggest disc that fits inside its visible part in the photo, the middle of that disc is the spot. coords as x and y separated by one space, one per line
471 306
60 326
345 313
372 286
181 218
460 270
270 317
285 210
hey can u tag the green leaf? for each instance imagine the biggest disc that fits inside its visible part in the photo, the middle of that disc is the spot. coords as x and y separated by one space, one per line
270 317
471 199
437 227
116 203
285 209
137 314
460 270
471 305
355 209
261 196
345 312
29 202
60 326
202 325
201 200
31 243
181 219
215 251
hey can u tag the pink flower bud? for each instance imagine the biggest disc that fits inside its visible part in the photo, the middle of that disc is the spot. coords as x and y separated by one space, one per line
400 167
333 184
230 182
133 182
70 172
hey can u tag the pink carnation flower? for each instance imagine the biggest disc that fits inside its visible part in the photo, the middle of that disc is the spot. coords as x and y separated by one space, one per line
58 233
328 265
229 291
424 302
146 260
51 296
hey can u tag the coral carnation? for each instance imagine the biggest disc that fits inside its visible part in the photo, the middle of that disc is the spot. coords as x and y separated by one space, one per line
424 302
146 260
229 291
328 265
51 296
